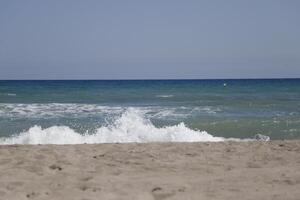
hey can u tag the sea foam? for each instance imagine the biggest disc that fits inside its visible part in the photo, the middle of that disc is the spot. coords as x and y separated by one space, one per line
131 126
55 110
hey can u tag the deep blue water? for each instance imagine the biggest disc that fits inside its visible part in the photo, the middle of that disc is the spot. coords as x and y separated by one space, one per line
240 109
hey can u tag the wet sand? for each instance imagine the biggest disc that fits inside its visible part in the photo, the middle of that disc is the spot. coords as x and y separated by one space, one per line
224 170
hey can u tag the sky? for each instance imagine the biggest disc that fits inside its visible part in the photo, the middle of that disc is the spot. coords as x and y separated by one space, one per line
154 39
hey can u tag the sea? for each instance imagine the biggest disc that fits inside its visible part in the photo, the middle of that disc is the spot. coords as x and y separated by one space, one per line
125 111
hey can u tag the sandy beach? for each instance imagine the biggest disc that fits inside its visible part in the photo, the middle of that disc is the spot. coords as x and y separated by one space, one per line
225 170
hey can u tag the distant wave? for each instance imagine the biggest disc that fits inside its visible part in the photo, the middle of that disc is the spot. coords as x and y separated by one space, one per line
50 110
36 110
8 94
131 126
164 96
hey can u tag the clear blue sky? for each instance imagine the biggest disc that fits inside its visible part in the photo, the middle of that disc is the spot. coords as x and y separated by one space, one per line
59 39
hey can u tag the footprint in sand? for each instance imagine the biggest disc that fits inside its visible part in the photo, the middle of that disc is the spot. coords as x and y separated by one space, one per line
32 195
85 188
86 178
55 167
99 156
159 193
13 185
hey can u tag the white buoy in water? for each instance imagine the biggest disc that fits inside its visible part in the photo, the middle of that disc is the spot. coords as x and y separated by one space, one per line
224 84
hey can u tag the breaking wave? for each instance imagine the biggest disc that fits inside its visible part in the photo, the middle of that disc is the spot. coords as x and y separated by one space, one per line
131 126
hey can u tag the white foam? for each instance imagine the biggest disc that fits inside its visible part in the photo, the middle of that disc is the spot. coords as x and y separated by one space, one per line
54 110
207 109
49 110
8 94
132 126
165 96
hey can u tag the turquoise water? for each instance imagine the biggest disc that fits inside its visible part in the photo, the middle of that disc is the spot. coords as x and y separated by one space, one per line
220 108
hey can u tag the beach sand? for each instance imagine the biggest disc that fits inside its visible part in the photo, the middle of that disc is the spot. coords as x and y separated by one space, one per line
224 170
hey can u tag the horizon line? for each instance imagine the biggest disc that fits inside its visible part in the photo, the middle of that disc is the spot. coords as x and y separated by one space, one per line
149 79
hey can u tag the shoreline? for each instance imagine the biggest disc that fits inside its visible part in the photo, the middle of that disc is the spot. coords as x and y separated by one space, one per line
200 170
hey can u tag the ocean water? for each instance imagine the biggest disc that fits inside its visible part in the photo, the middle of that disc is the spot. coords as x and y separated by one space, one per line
72 112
